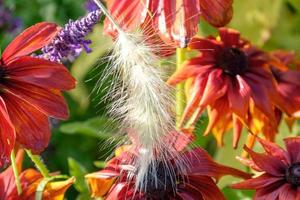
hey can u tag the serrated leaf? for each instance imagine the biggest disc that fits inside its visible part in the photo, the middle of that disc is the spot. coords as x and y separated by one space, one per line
99 127
78 171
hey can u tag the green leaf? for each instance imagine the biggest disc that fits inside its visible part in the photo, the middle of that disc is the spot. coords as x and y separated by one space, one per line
99 127
255 19
100 164
237 194
295 4
78 171
84 64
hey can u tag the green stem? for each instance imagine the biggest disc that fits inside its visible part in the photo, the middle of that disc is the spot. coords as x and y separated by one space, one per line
37 160
16 173
180 95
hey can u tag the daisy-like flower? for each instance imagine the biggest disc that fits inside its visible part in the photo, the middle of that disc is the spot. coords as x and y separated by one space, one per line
175 21
30 92
191 176
30 179
280 178
232 79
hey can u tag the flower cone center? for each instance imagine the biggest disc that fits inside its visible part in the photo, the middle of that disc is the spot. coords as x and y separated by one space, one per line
233 61
160 182
292 174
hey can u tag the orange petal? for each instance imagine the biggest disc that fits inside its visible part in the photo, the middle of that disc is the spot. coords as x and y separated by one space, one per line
30 40
56 190
100 182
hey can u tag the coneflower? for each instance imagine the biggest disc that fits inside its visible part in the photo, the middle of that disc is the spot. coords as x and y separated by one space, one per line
70 41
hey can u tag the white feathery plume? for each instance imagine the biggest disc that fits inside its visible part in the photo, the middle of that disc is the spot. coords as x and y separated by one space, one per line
142 102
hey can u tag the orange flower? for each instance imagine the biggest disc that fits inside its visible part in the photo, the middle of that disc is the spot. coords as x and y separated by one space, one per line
280 171
30 179
232 79
30 91
175 21
189 176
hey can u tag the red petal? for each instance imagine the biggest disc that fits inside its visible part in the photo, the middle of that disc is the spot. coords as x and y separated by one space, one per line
32 39
257 182
206 45
274 150
292 145
129 14
207 187
237 130
270 192
287 192
217 13
32 126
7 134
215 88
49 102
42 73
186 21
229 37
189 69
202 164
122 191
238 96
269 164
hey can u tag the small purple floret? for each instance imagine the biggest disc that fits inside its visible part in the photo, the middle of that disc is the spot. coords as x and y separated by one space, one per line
70 41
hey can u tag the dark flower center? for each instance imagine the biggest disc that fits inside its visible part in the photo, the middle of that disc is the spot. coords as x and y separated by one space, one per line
292 174
2 72
233 61
160 183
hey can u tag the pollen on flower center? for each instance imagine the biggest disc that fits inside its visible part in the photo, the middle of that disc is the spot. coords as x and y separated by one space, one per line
233 61
160 182
292 174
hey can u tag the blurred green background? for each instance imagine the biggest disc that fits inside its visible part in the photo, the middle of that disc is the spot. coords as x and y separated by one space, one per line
81 144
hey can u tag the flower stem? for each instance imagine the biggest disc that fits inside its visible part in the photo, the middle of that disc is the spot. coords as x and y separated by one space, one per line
180 95
37 160
16 173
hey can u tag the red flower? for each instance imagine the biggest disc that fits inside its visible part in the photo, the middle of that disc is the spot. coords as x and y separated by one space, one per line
191 176
232 79
175 21
30 92
280 178
30 180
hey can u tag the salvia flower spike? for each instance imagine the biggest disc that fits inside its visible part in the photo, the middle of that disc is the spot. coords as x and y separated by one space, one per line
142 101
70 41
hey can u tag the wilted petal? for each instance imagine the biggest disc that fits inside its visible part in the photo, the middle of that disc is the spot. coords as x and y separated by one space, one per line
7 134
237 130
217 12
42 73
32 39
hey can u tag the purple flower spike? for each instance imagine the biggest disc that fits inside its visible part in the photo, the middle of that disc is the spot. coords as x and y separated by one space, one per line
91 6
70 41
9 23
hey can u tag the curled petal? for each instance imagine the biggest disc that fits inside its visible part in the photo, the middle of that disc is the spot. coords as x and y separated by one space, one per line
229 37
32 39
